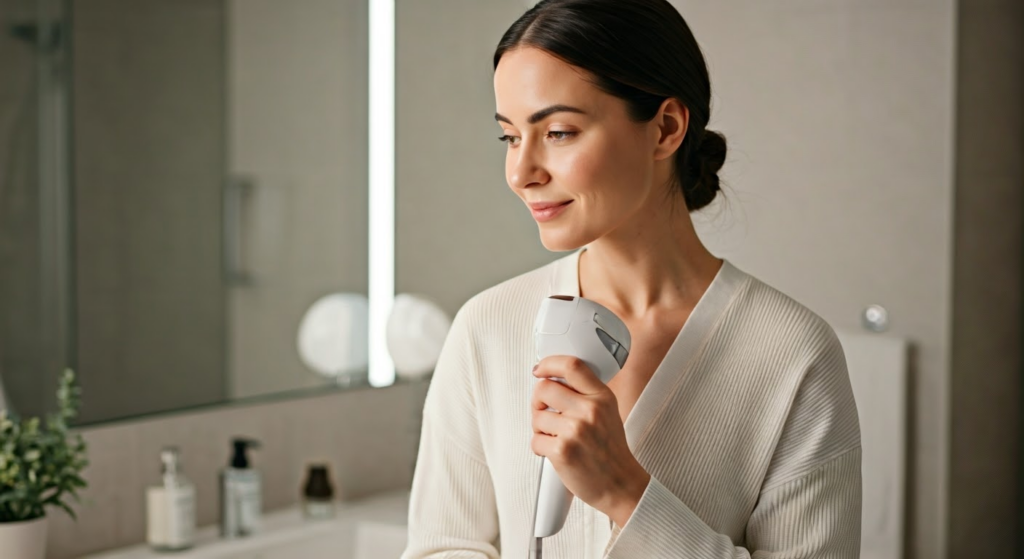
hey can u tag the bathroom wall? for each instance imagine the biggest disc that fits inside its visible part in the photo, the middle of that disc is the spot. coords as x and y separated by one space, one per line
367 436
459 229
985 390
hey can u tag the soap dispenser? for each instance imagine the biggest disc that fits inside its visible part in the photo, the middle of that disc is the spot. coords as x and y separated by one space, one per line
170 506
240 493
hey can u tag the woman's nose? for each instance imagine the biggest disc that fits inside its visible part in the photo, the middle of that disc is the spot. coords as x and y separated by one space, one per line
527 169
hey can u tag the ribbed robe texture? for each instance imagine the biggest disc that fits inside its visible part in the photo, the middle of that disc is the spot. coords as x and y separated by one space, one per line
748 429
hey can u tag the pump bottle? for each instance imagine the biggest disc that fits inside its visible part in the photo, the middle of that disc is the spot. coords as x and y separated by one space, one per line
241 494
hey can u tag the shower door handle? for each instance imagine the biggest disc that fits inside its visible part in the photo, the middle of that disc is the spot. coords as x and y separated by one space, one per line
236 190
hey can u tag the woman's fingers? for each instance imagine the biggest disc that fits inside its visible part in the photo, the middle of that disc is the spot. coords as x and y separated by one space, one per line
578 396
557 424
553 394
546 422
558 448
576 373
585 440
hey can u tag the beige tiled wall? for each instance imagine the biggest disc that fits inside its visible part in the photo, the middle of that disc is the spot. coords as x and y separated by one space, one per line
367 436
459 229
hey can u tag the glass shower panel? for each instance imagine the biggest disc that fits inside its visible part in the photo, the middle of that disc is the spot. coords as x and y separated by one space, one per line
36 340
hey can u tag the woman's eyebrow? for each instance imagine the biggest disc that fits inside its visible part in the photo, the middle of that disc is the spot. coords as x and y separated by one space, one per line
543 113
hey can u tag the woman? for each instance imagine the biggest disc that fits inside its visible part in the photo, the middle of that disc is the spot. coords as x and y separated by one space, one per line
731 431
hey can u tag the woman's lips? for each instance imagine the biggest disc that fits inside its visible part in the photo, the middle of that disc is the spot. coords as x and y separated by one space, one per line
547 212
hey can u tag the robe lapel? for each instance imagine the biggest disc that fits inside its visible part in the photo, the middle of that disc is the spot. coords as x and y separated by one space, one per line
701 322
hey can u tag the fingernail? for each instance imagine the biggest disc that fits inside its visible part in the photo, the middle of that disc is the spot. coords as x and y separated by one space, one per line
535 367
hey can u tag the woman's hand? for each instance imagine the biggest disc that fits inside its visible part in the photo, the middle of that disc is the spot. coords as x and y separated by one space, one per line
585 440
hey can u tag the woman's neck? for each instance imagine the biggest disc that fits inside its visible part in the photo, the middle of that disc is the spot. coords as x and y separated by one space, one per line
656 262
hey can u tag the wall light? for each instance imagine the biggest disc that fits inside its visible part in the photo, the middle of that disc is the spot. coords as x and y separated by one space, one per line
382 187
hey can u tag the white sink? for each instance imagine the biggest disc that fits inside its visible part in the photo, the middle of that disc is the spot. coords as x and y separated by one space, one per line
375 540
372 528
364 539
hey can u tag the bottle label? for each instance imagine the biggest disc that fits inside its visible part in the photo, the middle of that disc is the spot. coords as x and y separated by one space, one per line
182 517
246 504
171 517
319 509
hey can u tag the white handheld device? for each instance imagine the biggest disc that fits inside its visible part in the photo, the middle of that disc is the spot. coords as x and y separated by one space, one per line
579 327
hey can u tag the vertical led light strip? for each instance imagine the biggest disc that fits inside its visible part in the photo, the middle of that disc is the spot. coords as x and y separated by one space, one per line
382 186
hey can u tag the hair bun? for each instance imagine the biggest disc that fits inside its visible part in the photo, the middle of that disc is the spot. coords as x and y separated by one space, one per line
705 162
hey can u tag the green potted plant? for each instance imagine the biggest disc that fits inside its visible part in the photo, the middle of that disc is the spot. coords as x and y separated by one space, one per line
40 467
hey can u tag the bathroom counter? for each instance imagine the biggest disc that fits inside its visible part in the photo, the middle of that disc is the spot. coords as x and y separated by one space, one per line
373 527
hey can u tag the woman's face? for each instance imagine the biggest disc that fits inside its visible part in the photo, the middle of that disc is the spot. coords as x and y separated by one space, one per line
572 145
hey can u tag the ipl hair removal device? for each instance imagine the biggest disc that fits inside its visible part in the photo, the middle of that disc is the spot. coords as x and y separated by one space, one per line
579 327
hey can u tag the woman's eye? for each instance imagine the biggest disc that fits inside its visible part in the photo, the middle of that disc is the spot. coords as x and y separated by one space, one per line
561 135
557 135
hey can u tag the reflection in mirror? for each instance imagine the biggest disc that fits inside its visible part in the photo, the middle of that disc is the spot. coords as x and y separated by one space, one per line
185 180
416 330
332 339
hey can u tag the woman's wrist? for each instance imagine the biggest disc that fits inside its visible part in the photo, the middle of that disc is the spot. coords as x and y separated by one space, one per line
622 507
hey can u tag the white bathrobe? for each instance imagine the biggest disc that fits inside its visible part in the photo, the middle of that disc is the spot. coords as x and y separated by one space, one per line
748 429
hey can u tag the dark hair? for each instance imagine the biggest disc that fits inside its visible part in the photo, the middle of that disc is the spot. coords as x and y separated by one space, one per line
641 51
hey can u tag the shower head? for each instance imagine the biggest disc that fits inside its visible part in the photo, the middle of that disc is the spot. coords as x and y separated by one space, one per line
45 39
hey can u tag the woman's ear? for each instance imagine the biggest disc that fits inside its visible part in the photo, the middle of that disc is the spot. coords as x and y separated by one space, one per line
672 122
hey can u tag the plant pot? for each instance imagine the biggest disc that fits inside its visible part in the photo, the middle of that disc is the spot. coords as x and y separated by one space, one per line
23 540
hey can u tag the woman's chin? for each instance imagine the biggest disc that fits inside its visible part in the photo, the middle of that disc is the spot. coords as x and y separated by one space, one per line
559 241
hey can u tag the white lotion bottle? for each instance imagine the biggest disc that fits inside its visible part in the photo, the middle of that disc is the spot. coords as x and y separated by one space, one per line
171 507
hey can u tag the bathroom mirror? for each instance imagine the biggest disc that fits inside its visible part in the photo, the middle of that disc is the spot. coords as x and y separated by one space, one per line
179 183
